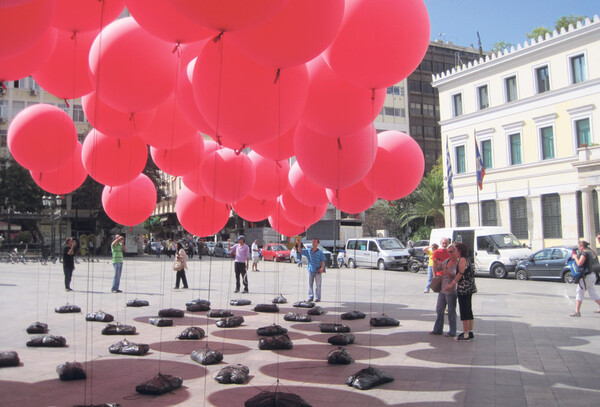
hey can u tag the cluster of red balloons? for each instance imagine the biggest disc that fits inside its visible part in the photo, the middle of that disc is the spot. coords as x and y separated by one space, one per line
303 78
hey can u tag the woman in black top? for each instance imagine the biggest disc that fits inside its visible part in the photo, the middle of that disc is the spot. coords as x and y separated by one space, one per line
588 281
465 288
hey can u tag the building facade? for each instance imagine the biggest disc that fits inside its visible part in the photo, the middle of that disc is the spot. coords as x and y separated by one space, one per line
533 112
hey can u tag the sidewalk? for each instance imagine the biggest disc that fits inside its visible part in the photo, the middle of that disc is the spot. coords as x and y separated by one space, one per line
527 350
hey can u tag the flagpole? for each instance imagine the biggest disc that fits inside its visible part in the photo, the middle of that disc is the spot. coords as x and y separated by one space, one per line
477 172
449 180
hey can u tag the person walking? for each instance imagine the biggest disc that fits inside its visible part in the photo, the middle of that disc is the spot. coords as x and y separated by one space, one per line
588 281
447 295
242 260
255 256
316 268
181 257
69 261
440 255
465 288
117 248
429 250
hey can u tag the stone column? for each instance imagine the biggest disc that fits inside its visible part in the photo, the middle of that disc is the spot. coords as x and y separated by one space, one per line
535 222
587 205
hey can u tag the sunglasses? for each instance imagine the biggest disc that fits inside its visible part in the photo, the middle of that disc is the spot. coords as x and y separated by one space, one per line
451 251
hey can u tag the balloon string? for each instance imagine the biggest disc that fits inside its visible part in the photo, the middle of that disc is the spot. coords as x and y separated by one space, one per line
277 75
217 38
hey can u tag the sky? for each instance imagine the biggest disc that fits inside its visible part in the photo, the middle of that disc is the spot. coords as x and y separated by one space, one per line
458 21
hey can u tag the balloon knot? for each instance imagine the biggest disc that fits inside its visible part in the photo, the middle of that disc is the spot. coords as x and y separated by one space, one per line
277 75
219 140
218 37
337 195
74 35
391 203
176 47
238 152
339 143
119 142
130 229
67 103
373 94
3 85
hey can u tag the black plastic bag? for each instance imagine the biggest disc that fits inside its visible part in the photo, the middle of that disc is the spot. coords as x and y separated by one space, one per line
279 300
207 356
236 374
384 320
266 308
295 317
199 301
353 315
161 321
99 405
316 311
171 313
99 316
9 358
334 328
66 309
279 399
129 348
271 330
341 339
230 322
191 332
369 377
37 328
240 301
118 329
47 341
197 306
304 304
70 371
159 384
137 303
339 356
276 342
219 313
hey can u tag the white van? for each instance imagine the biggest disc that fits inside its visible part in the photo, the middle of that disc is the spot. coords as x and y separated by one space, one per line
493 250
380 252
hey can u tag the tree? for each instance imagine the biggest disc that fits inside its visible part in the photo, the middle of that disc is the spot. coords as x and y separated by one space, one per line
501 46
562 22
538 32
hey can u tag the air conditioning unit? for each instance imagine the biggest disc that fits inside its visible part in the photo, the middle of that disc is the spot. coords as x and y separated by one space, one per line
34 92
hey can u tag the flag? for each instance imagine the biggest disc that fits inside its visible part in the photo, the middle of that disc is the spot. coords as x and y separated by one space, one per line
449 171
479 165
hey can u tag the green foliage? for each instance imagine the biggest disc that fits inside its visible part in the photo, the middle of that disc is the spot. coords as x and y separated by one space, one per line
538 32
427 202
154 225
18 189
24 237
562 22
422 233
501 46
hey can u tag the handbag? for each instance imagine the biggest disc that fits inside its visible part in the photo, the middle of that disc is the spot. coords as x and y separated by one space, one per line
177 265
436 284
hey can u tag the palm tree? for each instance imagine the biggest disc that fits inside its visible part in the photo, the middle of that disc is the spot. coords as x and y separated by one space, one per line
427 200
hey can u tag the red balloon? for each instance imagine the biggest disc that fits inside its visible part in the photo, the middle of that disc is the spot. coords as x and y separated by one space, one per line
23 25
253 209
113 161
280 148
282 225
380 42
227 176
132 203
304 189
335 162
86 15
182 160
399 154
192 180
246 101
112 122
42 137
66 178
190 52
30 60
229 15
300 32
200 215
13 3
186 101
66 74
334 106
137 70
299 213
162 20
356 198
271 176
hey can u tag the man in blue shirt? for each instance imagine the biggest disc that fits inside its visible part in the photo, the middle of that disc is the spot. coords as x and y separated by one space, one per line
316 268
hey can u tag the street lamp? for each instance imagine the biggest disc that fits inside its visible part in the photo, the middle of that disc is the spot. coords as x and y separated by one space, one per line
53 202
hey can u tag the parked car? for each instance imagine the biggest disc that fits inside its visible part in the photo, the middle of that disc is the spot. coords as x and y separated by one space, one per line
326 252
548 263
418 247
275 252
208 248
221 250
382 253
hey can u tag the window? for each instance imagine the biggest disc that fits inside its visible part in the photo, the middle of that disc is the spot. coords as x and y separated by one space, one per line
578 73
414 86
391 111
582 130
395 90
416 131
518 217
415 109
460 160
457 104
486 152
551 219
3 134
542 79
488 213
482 97
547 142
510 84
64 108
515 149
427 88
462 214
78 115
3 109
18 105
426 66
429 131
428 109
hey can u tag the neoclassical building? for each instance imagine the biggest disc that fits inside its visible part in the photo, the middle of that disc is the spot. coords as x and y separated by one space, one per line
533 111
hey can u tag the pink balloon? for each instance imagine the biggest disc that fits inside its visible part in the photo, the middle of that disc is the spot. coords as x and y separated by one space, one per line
299 213
335 162
380 42
229 15
181 160
356 198
113 161
271 176
304 189
22 25
168 129
162 20
192 180
42 137
132 203
399 154
243 99
282 225
86 15
227 176
66 178
112 122
253 209
200 215
334 106
137 70
30 60
300 32
66 74
279 148
186 101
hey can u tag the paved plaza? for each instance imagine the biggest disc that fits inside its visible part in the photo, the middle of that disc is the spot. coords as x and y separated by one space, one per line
527 350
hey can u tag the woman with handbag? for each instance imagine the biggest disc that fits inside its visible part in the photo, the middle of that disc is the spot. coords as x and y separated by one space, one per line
447 296
588 281
465 288
180 266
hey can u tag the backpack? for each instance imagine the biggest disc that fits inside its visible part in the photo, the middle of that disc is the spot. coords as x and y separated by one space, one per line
575 270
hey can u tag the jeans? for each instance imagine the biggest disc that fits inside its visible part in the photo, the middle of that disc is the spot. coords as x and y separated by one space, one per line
314 276
442 301
68 274
180 276
429 277
240 271
117 280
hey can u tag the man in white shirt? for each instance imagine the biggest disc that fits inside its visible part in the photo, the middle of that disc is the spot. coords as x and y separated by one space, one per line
255 256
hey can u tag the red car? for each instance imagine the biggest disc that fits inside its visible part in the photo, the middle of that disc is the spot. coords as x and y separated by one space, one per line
275 252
